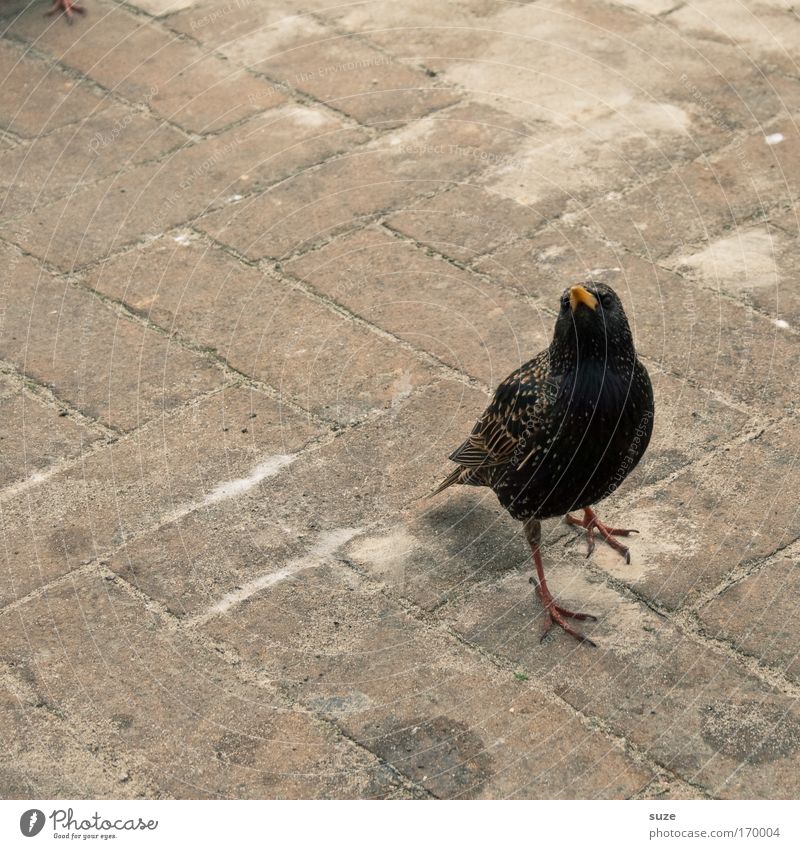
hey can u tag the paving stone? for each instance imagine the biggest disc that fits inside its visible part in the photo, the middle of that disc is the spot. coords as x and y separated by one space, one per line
107 366
448 147
34 435
42 758
772 38
706 199
386 465
430 303
299 53
466 222
163 472
689 424
422 32
248 33
146 64
687 330
687 705
153 694
728 510
438 713
736 96
228 30
149 199
708 79
82 153
571 167
748 366
781 300
555 257
191 564
37 98
353 77
758 614
756 264
325 363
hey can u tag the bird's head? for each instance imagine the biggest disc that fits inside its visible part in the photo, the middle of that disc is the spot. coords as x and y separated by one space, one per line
592 324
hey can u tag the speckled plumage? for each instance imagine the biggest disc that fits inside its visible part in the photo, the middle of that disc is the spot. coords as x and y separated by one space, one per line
566 428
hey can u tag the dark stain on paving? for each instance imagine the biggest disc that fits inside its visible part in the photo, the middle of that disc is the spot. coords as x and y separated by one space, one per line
338 707
443 754
122 721
750 731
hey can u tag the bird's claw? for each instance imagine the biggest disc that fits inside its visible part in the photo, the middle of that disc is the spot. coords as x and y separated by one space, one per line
592 524
68 7
557 615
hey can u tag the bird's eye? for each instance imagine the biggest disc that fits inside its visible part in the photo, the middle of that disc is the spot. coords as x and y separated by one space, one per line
605 300
565 301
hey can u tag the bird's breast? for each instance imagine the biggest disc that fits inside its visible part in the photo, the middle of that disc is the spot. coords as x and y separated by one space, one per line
587 443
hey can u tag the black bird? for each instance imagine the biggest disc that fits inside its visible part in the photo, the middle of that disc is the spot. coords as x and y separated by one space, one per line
565 429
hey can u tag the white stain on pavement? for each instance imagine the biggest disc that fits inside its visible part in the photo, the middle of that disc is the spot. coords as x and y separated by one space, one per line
265 469
326 545
745 260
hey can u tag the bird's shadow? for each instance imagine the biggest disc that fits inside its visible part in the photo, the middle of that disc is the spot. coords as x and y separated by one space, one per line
476 536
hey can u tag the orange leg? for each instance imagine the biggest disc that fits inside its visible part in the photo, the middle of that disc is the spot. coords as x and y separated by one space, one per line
68 7
592 524
554 614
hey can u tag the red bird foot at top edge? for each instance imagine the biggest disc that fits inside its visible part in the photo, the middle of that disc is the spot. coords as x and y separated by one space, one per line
67 7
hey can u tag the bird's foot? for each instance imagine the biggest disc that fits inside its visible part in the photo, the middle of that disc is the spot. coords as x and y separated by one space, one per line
68 7
591 523
557 615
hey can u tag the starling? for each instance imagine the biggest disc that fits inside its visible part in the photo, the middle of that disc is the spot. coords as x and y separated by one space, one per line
565 429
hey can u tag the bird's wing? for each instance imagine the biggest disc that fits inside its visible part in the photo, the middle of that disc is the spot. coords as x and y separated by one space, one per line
509 420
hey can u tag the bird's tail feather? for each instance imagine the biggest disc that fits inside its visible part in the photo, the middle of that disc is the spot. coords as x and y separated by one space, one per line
448 481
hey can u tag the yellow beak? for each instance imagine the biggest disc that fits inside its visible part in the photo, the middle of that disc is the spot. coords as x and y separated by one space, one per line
579 295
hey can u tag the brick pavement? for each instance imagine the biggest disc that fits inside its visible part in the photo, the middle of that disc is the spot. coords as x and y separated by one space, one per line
263 262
